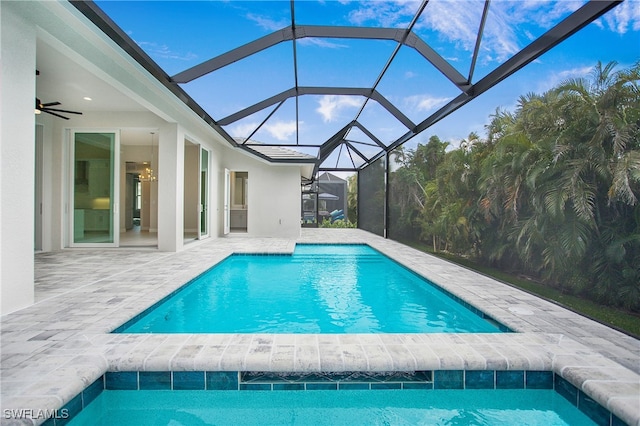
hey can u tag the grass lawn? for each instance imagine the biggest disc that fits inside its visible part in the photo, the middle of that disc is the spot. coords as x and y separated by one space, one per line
620 319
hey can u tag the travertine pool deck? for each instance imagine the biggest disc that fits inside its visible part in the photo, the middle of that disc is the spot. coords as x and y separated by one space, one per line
54 349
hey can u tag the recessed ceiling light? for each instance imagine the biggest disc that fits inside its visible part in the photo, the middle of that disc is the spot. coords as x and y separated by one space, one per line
86 98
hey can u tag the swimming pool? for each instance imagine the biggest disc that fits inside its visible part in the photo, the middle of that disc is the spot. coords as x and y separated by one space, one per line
355 407
320 288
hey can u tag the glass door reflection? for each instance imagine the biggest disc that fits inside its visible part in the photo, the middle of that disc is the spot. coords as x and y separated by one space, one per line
94 183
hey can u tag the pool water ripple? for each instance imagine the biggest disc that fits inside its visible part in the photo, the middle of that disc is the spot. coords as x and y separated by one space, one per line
319 289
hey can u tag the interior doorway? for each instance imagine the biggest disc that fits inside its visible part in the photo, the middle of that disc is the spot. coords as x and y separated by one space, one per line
238 201
139 214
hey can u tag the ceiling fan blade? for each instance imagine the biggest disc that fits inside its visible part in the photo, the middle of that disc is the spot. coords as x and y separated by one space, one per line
61 110
48 104
53 113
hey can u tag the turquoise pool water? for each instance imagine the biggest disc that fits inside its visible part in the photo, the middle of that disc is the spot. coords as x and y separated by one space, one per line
318 289
380 407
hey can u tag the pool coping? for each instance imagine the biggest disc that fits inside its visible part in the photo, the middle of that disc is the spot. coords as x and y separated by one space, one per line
56 348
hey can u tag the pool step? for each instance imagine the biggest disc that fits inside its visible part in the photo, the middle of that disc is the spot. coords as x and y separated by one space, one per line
337 258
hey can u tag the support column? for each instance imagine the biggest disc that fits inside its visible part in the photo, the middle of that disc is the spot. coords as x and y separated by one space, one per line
171 188
17 159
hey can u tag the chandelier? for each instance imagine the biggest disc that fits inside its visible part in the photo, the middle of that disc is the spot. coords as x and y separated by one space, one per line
148 175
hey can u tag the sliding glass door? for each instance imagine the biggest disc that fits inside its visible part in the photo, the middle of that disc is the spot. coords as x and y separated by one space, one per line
94 195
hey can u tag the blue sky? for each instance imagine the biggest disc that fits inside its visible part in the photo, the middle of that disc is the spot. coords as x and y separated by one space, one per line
179 35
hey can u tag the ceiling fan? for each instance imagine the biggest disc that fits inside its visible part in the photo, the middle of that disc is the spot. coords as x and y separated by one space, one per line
46 107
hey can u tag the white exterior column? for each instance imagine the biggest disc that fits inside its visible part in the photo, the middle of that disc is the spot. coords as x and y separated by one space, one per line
17 159
171 188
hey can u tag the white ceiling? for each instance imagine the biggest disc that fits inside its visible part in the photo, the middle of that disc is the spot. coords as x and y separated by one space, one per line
63 80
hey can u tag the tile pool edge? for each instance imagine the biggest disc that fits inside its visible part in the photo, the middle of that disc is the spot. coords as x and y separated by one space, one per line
427 380
600 379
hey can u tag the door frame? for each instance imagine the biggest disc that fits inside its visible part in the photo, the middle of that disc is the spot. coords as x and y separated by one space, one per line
39 187
226 213
204 203
115 181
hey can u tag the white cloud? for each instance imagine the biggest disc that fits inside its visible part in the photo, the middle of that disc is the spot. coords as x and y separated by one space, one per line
575 72
425 103
510 25
163 51
544 13
331 105
268 23
319 42
396 13
499 40
243 130
554 78
455 21
452 20
624 17
409 74
281 130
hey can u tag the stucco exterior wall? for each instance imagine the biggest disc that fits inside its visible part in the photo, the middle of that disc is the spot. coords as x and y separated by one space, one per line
273 195
17 154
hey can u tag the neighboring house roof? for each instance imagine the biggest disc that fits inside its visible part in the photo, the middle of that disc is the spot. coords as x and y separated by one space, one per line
281 154
326 176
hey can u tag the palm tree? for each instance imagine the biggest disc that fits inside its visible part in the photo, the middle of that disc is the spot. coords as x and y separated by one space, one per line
599 155
352 198
552 191
600 146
